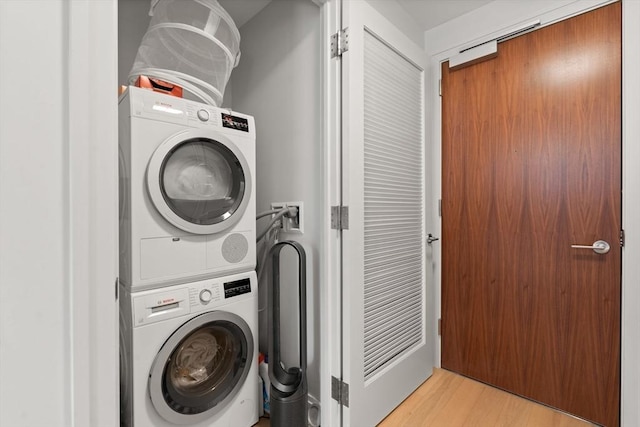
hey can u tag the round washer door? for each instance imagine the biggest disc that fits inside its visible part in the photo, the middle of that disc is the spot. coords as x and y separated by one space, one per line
201 367
200 182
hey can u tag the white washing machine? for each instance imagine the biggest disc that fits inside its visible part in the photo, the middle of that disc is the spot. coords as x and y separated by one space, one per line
188 354
187 190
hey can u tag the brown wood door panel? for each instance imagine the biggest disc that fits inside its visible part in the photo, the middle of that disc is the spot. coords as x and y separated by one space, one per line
532 164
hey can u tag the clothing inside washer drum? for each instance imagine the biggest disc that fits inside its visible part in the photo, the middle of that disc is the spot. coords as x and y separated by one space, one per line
203 361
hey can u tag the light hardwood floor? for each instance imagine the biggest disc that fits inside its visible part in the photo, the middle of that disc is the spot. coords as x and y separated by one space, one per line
263 422
450 400
447 399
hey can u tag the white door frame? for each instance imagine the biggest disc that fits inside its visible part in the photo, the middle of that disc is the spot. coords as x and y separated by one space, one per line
444 43
92 118
331 259
59 116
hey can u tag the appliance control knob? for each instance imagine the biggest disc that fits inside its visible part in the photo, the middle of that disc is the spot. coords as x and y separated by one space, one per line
205 296
203 115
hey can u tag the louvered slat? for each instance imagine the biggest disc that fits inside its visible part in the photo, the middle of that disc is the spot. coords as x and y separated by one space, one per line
381 308
393 348
401 320
393 206
394 263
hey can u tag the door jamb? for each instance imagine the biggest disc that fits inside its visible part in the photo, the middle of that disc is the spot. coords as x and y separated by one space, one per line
92 116
331 259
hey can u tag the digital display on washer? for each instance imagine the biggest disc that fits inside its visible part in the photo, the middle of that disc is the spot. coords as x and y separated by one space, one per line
235 122
238 287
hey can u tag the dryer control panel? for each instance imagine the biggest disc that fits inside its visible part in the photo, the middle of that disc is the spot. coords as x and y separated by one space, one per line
170 109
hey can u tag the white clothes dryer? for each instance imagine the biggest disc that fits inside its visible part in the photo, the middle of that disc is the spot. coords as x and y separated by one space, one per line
189 354
187 190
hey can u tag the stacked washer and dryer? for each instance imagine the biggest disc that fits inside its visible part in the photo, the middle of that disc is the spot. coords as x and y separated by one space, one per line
188 290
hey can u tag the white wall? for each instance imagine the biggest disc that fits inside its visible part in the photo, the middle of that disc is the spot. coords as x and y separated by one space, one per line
133 20
35 355
399 17
279 81
493 19
58 214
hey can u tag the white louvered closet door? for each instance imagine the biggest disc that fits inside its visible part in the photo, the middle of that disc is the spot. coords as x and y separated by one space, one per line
386 354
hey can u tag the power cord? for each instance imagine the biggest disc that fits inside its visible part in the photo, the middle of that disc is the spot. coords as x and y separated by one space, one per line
291 212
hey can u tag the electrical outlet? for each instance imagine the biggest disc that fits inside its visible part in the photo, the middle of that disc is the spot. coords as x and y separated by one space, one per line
291 225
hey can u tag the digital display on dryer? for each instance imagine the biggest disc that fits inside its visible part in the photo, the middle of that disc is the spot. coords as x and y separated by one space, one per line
238 287
234 122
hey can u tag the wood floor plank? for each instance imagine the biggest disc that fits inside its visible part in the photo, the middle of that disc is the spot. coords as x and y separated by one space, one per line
488 409
516 410
465 395
450 400
263 422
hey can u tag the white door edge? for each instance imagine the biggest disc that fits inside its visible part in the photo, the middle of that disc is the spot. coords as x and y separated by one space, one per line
331 348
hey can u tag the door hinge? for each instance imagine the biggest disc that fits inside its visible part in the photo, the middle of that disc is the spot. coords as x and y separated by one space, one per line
340 217
117 287
440 87
340 391
439 327
622 238
340 43
440 208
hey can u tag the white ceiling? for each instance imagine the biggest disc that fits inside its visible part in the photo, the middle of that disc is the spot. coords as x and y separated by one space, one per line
426 13
431 13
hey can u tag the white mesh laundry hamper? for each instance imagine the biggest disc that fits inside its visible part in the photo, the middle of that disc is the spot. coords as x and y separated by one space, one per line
191 43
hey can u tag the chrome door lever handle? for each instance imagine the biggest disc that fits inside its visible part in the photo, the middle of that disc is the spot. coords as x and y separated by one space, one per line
599 247
431 239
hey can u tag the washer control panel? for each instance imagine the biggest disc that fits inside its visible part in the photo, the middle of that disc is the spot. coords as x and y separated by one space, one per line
204 295
203 115
207 294
237 287
153 306
156 305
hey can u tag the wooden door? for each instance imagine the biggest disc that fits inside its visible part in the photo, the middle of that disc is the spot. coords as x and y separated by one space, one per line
531 165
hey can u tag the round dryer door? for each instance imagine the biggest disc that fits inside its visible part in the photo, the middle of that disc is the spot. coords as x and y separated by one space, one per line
200 184
201 368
